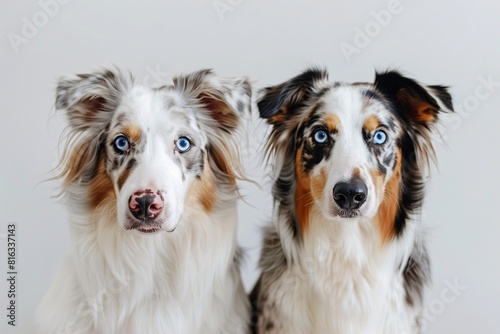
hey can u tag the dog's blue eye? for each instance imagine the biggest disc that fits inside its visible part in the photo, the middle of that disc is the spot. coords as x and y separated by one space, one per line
183 144
379 137
121 144
320 136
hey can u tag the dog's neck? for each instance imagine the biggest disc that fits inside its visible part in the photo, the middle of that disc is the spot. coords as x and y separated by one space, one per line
327 244
151 267
337 261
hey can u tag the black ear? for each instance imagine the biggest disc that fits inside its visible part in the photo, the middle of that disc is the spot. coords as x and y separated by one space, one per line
90 99
417 104
277 103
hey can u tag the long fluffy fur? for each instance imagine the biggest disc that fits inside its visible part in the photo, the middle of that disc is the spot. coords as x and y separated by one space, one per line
330 275
119 281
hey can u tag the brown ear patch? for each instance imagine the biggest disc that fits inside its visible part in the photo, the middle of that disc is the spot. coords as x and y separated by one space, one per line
279 117
390 204
220 111
91 107
420 111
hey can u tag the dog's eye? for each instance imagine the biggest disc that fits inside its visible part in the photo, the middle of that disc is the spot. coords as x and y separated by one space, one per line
379 137
320 136
121 144
183 144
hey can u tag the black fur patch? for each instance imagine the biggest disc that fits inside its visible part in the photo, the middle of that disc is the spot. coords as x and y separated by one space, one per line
416 275
284 186
274 263
416 143
291 95
413 184
373 95
313 153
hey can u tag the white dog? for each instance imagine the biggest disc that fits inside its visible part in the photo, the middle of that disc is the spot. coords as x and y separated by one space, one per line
149 177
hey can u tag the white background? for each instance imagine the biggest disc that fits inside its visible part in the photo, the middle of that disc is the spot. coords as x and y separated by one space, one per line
447 42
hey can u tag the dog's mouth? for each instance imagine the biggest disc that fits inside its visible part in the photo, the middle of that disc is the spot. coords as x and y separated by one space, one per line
147 230
146 226
346 213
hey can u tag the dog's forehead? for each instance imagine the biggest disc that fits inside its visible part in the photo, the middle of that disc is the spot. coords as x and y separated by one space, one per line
158 107
353 103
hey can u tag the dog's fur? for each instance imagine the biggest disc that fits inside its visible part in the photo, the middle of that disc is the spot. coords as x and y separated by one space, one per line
178 272
326 269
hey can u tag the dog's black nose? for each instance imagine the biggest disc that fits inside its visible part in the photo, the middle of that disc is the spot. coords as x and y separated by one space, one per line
350 195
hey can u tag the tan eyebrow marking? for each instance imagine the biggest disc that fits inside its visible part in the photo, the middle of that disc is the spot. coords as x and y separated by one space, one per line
371 124
133 132
332 122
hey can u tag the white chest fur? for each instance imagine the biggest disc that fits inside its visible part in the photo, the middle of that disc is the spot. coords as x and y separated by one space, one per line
117 281
342 281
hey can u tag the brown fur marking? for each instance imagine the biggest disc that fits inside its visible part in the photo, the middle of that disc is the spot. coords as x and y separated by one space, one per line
101 187
318 185
371 124
279 116
203 190
332 122
356 173
303 195
133 132
390 203
75 163
220 111
420 111
224 166
126 173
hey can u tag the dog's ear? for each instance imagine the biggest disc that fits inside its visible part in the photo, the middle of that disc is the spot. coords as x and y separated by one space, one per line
417 105
221 103
90 99
223 99
279 103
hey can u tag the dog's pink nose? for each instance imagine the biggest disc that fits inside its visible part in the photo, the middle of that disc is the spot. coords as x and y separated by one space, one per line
146 204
